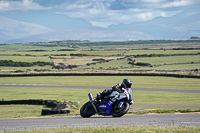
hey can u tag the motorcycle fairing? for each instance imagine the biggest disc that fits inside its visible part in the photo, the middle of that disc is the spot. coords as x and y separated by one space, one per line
106 106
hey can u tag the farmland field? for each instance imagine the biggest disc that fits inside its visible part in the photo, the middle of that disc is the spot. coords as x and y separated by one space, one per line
25 58
36 53
164 52
82 60
105 60
103 52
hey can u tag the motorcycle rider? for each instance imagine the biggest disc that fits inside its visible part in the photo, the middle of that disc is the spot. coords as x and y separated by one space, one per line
126 84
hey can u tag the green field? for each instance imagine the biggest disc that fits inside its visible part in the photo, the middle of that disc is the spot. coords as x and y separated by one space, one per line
164 52
103 52
173 67
25 58
36 53
31 46
47 67
20 111
170 60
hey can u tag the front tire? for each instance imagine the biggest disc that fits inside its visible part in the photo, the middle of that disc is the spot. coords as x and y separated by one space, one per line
87 110
118 112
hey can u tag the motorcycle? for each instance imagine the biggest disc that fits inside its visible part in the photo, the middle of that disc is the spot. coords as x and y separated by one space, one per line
115 105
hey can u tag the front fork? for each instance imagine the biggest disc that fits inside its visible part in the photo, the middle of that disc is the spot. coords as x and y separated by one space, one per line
92 102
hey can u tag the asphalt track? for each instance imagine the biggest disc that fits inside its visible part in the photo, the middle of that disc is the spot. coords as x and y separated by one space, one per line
101 121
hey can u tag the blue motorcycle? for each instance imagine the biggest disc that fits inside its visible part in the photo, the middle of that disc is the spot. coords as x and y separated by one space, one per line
116 104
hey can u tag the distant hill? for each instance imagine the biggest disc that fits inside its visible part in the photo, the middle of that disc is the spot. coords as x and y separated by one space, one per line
7 32
91 34
180 26
47 19
15 26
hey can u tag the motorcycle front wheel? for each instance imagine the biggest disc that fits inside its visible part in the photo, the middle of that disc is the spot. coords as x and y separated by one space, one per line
118 112
87 110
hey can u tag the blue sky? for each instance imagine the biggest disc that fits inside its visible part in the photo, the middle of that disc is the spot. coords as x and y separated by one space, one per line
103 12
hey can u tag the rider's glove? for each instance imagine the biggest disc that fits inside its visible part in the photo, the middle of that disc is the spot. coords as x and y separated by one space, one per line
114 88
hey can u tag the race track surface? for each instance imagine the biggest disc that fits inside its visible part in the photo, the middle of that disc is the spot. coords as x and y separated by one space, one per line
101 121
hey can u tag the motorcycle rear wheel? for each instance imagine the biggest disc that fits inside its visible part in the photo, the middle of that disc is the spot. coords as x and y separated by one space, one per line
118 112
86 112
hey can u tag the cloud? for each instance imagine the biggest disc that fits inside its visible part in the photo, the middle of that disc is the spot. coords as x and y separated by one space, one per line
177 3
21 5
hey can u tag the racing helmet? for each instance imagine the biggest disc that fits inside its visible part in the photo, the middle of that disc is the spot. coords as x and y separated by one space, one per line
127 83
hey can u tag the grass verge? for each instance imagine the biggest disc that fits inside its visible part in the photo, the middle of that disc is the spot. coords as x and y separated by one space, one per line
166 111
132 129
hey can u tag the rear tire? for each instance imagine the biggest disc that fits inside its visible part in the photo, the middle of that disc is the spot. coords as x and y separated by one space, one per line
118 112
87 112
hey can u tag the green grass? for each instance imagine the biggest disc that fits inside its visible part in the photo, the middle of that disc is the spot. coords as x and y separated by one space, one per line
59 94
26 68
27 47
128 129
19 111
175 67
164 52
138 81
150 97
25 58
38 53
112 64
81 60
169 59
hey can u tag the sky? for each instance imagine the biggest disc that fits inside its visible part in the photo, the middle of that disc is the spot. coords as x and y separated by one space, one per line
103 12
